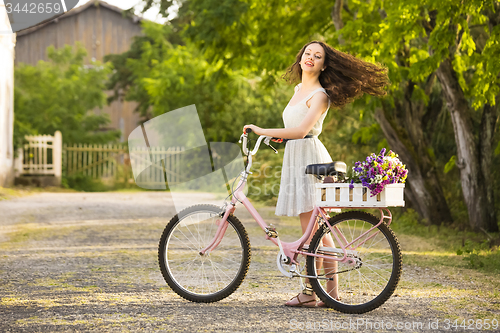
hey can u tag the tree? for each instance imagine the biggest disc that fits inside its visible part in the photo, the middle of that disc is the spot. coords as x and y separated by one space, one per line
162 76
58 95
458 42
406 117
464 40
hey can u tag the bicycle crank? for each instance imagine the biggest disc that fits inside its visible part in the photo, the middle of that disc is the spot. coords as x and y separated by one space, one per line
280 260
294 273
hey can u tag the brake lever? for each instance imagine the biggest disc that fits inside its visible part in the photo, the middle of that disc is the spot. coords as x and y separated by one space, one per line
266 141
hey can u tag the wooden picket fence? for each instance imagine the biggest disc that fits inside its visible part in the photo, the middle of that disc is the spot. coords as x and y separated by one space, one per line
94 160
158 164
104 161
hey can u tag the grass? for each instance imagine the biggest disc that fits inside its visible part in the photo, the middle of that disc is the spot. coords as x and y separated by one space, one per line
21 191
447 246
467 289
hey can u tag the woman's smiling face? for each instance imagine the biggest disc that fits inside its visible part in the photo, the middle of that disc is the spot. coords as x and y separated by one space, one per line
313 58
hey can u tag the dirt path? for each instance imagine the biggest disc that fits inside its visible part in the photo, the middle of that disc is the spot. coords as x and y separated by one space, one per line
88 262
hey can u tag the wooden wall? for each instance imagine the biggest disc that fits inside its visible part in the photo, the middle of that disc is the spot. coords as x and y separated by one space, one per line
101 31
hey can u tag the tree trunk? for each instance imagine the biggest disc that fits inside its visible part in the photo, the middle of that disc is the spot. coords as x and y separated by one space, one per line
336 15
423 187
488 125
481 211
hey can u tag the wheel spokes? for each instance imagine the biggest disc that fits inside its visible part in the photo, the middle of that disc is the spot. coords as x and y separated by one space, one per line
203 274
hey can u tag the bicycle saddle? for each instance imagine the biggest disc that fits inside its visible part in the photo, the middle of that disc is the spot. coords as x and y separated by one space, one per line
326 169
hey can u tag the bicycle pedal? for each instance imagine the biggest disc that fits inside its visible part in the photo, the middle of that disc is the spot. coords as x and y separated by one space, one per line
271 232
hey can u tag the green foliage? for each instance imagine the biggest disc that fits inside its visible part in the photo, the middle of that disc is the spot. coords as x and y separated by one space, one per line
408 222
252 34
412 38
365 134
167 76
84 183
476 251
58 95
121 181
264 183
450 164
480 255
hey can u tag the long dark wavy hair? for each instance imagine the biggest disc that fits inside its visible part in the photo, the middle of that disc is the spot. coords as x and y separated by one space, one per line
345 77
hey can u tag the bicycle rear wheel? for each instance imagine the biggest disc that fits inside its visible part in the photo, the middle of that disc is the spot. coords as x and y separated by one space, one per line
214 275
372 276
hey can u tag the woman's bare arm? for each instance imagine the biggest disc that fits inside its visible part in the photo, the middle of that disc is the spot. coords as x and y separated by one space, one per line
319 103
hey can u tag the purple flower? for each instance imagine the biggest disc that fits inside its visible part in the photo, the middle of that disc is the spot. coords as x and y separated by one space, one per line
368 170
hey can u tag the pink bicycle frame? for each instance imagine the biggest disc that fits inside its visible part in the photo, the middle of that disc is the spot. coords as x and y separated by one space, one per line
293 249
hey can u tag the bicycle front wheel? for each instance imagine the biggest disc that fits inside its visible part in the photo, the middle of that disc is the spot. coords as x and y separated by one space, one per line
207 277
373 272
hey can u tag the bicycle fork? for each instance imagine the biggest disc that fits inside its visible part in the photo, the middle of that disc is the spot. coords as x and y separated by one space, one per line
221 230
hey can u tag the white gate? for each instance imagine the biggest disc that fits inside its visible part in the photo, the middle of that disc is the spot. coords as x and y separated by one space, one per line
42 156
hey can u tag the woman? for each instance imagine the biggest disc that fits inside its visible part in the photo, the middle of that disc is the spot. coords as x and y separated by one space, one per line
328 77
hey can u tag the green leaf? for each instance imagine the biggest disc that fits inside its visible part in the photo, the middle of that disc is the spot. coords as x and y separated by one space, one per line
450 164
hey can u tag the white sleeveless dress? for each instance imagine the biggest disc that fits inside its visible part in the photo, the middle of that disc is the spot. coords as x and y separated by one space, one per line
297 190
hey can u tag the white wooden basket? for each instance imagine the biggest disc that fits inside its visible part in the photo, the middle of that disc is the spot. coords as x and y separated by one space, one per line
340 195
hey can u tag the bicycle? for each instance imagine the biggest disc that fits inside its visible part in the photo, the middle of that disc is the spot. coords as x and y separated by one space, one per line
204 251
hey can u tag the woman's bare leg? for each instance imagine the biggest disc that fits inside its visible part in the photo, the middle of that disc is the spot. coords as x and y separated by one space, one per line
329 265
304 221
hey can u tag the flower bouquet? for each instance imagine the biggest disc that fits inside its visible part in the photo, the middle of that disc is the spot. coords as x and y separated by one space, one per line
379 170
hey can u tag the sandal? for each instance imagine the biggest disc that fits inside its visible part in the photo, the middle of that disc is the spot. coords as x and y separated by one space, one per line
307 304
322 304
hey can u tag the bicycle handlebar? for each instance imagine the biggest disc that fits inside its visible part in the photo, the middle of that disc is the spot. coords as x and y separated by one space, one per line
266 139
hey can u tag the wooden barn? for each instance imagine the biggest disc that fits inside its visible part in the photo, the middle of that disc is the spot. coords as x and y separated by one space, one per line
102 30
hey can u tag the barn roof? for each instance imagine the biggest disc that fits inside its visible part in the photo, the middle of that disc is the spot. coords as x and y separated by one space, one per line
76 11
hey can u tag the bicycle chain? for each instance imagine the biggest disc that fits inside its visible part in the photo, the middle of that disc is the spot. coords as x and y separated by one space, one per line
347 270
322 224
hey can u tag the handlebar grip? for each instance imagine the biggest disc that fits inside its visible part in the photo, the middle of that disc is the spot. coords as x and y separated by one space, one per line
248 131
279 140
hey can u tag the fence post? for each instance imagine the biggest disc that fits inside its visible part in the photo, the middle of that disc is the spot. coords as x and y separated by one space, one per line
57 156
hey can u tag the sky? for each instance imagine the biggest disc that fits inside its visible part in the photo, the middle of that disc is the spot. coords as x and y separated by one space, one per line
151 14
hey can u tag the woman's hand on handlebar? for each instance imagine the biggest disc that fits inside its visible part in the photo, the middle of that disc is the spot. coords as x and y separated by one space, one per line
256 129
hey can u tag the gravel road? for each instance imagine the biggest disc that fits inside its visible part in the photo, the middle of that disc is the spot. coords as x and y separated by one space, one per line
88 262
